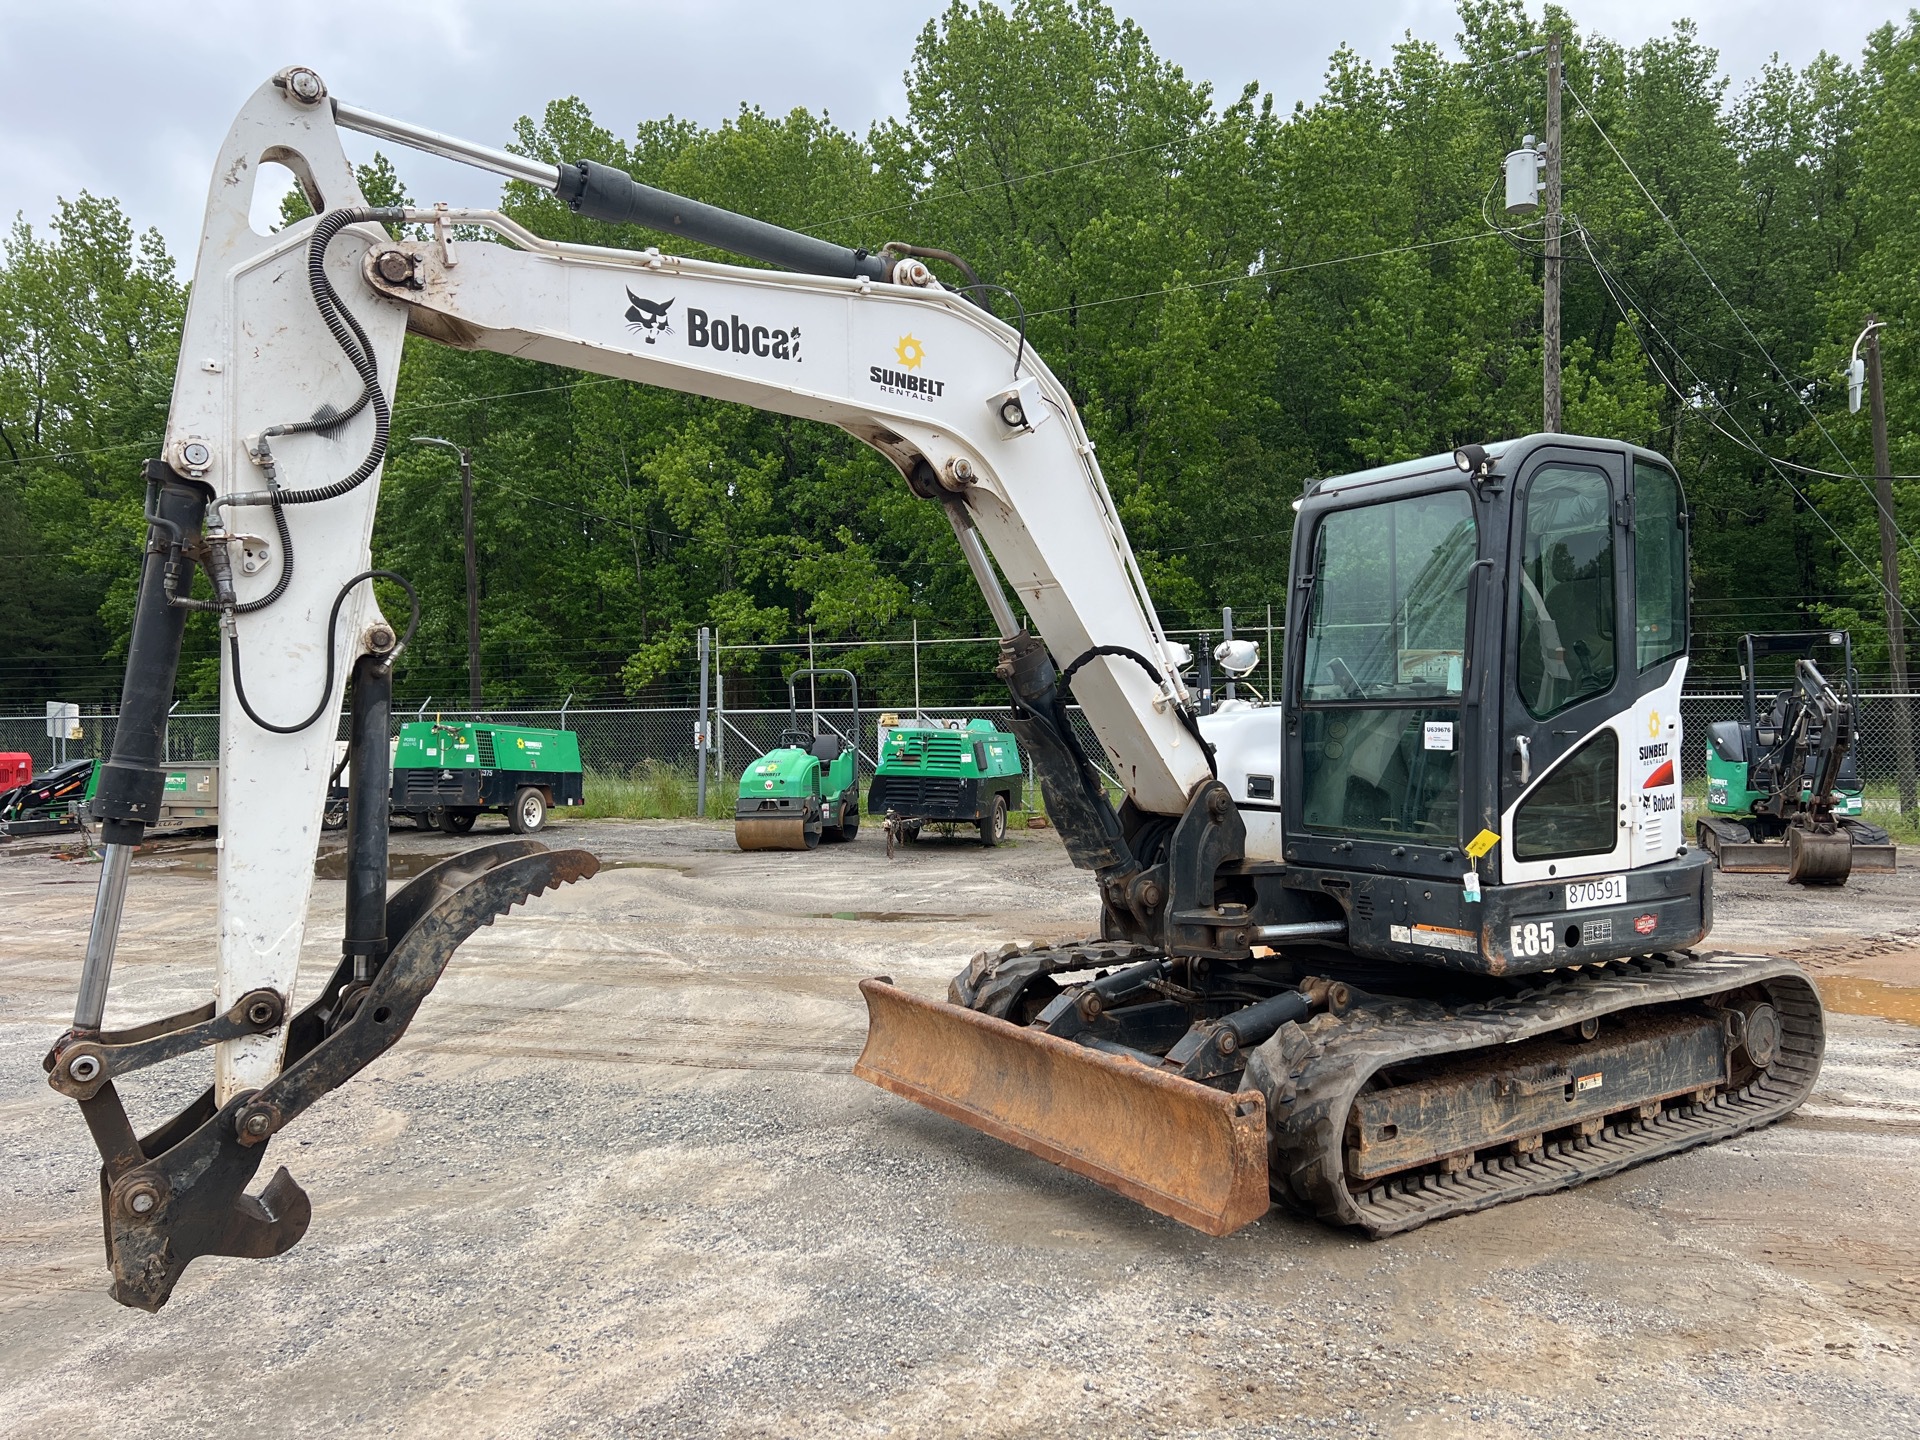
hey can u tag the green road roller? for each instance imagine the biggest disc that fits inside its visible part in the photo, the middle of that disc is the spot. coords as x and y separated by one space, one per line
806 789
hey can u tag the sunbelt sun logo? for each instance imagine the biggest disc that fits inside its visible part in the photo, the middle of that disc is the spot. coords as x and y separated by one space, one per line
907 379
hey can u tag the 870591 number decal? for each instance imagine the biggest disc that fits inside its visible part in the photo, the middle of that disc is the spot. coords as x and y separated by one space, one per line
1531 939
1603 890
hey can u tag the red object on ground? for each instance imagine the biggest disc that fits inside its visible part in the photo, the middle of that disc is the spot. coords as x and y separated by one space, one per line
16 768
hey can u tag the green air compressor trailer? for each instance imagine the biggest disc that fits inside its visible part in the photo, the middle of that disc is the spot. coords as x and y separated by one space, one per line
946 775
190 799
448 773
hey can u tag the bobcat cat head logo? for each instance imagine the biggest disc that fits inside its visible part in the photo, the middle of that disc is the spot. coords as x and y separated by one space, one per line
648 316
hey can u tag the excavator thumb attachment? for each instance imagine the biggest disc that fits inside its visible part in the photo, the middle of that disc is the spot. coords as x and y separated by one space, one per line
180 1192
1183 1149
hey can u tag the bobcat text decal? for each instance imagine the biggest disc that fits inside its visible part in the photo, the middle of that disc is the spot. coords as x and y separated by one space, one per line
730 332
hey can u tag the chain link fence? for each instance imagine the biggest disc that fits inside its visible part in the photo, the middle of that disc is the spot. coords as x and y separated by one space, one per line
623 741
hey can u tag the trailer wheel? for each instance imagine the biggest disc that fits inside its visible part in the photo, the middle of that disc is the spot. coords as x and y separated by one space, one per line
459 822
993 829
334 817
529 812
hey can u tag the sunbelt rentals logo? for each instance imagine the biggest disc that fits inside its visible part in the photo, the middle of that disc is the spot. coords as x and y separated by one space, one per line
907 379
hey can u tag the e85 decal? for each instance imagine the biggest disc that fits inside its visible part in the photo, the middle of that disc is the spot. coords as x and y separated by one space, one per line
1534 938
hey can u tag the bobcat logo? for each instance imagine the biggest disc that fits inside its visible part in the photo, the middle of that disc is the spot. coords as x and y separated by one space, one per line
648 316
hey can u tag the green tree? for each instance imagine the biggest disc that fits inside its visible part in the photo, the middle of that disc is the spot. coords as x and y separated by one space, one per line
90 318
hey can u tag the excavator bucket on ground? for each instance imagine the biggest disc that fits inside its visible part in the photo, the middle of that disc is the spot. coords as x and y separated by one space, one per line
1188 1151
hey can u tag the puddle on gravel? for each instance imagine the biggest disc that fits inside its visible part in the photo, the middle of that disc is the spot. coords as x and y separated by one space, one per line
1851 995
401 864
648 865
330 865
888 916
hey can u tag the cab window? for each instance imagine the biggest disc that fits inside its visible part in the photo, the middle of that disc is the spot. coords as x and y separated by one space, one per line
1566 590
1571 811
1660 567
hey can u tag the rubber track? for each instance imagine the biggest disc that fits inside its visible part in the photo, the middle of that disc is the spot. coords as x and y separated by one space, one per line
1311 1074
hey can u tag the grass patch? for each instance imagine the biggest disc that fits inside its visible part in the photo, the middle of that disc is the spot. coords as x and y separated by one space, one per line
1882 809
653 790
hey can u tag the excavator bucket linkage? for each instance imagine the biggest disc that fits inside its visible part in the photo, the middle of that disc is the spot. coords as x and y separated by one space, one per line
176 1194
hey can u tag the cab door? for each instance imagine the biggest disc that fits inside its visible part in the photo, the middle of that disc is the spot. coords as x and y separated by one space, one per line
1568 689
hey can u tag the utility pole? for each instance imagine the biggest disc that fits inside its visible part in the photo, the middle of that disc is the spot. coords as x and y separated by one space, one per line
473 564
1550 312
1890 571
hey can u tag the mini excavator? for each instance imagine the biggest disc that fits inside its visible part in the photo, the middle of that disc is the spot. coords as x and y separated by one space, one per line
1414 940
1783 787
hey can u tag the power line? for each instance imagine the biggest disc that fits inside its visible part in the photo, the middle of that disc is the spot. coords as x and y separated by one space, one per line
408 407
80 454
981 189
1744 440
1267 274
1839 475
1700 265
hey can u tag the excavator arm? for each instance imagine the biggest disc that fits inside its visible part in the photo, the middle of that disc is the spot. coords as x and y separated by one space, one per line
276 439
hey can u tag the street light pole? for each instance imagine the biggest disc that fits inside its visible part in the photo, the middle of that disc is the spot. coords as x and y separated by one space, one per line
1889 561
473 564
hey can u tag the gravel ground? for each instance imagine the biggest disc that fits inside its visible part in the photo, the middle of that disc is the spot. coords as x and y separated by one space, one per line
617 1181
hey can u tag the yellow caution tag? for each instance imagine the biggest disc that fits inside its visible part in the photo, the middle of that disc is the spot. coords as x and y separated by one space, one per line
1481 843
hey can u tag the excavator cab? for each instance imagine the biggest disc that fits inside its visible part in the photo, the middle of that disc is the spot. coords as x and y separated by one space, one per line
1485 705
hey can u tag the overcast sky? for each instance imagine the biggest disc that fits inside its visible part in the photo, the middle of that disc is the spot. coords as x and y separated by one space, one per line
131 98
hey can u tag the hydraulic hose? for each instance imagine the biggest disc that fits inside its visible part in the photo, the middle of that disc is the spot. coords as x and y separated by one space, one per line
353 342
333 619
1127 653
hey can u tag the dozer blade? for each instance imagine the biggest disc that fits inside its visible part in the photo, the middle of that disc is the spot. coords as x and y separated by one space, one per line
1192 1153
774 832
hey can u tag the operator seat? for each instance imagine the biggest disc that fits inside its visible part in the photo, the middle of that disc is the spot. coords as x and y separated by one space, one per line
1580 601
825 748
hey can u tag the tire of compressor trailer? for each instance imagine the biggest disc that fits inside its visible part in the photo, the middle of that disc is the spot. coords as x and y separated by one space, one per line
993 829
529 812
456 821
